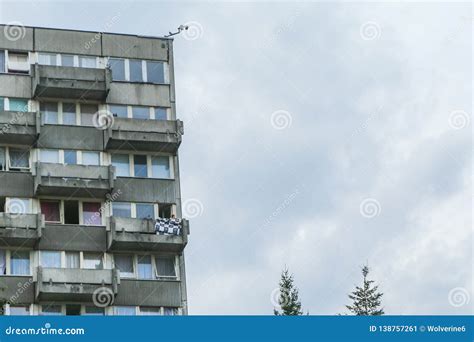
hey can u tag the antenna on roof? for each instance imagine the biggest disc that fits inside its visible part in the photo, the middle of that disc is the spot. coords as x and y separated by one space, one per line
180 29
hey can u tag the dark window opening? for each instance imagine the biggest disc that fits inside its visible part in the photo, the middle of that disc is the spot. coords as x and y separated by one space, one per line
164 210
73 310
71 212
2 204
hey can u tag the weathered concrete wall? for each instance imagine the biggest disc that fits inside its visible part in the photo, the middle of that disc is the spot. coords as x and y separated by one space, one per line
145 190
73 238
150 293
15 86
141 94
17 290
71 137
62 41
17 38
116 45
16 184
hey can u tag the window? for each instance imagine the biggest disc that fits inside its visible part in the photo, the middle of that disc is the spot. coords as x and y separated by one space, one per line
118 69
93 261
69 114
49 156
2 61
94 311
124 263
70 157
91 214
118 111
145 211
140 166
165 267
3 262
73 309
164 210
139 112
51 211
49 113
122 209
19 159
72 260
18 105
155 72
3 160
47 59
19 206
91 158
122 165
67 60
20 263
2 104
23 310
149 311
124 311
51 310
136 71
144 267
18 62
87 114
71 212
160 167
170 311
87 62
161 114
51 259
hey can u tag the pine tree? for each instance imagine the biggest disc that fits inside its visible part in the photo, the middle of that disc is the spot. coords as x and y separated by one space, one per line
366 299
288 299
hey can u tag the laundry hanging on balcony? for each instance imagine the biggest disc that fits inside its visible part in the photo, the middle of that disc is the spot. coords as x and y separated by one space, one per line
168 226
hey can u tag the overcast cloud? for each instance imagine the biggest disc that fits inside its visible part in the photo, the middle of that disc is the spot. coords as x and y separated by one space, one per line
317 136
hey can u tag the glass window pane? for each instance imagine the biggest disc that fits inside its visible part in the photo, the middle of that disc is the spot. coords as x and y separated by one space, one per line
118 111
3 262
19 310
136 71
170 311
51 310
145 211
87 62
149 311
144 267
70 157
160 167
124 310
165 267
140 166
122 209
2 104
51 211
155 72
124 263
161 114
19 206
121 163
139 112
72 259
118 69
87 114
49 113
49 156
94 311
20 263
3 165
90 158
19 159
67 60
50 259
69 113
2 61
91 214
18 105
47 59
93 261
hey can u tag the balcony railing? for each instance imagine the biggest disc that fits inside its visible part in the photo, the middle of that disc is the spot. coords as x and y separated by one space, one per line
77 180
144 135
19 127
64 284
70 82
136 234
20 229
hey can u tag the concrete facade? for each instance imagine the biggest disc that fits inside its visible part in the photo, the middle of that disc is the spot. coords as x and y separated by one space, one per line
88 162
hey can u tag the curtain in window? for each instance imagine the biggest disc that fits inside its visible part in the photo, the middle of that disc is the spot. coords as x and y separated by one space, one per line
2 61
165 267
91 214
124 310
19 158
50 259
50 210
19 310
170 311
144 267
124 263
20 263
3 165
3 262
72 260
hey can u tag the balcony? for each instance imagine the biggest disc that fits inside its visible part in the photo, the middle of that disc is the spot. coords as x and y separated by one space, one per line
73 180
70 82
20 127
138 235
75 285
144 135
20 229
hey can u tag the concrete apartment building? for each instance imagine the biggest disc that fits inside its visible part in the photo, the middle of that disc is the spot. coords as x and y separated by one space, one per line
90 205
